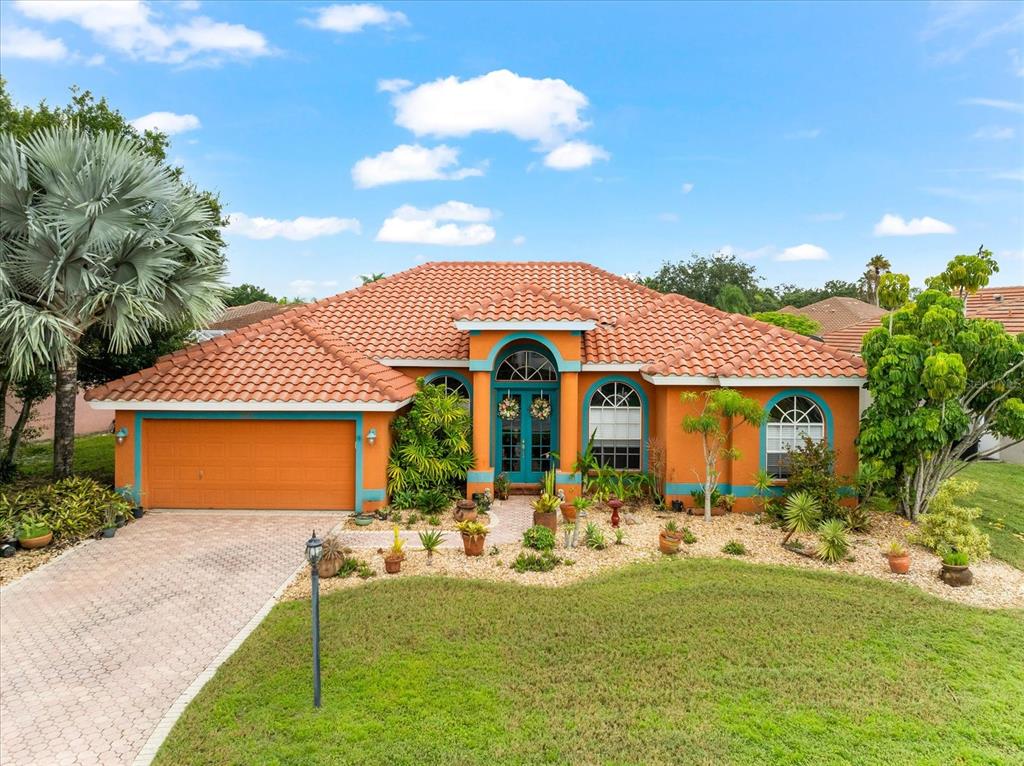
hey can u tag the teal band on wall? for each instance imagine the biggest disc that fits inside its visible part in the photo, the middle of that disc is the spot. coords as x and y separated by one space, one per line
480 476
736 490
568 478
375 495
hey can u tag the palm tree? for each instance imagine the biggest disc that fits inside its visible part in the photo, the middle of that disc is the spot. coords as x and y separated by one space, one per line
876 267
95 232
372 277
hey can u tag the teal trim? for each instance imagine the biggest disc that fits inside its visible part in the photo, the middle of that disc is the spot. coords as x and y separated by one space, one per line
487 365
356 417
736 490
525 391
645 411
779 397
374 495
453 373
481 476
568 478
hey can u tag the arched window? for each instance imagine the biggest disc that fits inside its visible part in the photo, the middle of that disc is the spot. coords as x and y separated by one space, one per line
452 384
615 418
526 365
789 421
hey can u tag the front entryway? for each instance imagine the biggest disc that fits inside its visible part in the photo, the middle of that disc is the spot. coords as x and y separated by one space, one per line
526 414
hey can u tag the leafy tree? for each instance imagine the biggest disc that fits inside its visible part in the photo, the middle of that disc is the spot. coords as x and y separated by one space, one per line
939 382
893 292
966 274
374 277
795 322
878 265
246 293
96 232
950 527
98 363
703 277
724 410
29 391
731 298
798 297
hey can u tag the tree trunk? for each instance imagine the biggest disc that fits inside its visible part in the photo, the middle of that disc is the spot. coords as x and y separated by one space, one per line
5 386
64 419
11 448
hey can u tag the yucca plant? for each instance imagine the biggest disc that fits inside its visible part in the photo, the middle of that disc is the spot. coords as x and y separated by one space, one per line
431 540
834 543
801 514
594 538
94 232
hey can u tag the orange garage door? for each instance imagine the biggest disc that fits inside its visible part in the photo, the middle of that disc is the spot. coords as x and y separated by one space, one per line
290 464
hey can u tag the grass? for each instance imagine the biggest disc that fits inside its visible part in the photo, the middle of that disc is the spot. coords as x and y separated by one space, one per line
695 661
1000 495
94 457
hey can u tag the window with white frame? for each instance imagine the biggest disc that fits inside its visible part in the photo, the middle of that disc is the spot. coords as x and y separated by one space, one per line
526 366
615 419
452 384
789 421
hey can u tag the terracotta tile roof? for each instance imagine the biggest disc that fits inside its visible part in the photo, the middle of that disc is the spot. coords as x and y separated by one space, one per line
850 338
836 313
239 316
325 351
526 302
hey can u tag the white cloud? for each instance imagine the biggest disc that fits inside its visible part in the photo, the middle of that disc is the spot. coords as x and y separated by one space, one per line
307 288
348 19
894 226
827 217
806 134
546 111
411 225
394 85
994 133
803 252
688 187
1009 175
996 103
128 26
22 43
166 122
301 228
668 217
574 155
411 163
519 240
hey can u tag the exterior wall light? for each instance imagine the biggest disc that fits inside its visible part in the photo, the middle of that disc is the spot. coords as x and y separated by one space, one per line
314 552
371 436
121 435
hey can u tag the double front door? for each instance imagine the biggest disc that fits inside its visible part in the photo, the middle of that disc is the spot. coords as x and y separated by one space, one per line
524 443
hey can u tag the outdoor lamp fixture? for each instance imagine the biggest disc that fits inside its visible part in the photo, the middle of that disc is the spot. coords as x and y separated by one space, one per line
371 436
314 550
121 435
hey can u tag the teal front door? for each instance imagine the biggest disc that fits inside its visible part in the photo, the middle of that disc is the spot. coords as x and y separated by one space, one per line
524 443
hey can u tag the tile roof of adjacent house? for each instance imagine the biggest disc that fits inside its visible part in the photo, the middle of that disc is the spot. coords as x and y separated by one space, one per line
325 351
1001 304
837 312
239 316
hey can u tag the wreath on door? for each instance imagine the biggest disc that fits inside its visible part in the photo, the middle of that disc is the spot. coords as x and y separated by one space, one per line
540 408
508 408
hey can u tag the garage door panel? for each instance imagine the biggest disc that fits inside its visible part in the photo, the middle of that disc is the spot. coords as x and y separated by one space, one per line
249 464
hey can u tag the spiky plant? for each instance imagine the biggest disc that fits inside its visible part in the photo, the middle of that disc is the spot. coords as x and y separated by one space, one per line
431 540
801 514
94 232
834 543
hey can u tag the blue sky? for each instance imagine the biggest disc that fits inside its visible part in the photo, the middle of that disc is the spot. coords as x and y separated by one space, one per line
353 138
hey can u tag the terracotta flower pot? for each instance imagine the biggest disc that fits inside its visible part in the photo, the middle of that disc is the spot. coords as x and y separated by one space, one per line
899 564
568 511
39 541
393 564
473 544
328 567
549 520
956 576
668 542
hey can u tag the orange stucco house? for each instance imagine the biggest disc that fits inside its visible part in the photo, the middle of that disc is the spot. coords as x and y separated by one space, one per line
294 411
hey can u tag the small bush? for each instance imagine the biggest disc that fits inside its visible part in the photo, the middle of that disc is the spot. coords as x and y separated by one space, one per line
620 537
434 520
834 543
812 470
73 508
734 548
395 517
411 519
535 562
948 526
593 537
688 537
432 501
955 559
539 538
857 518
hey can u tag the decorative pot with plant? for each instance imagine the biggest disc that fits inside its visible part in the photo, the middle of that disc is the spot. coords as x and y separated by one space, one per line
954 569
502 486
670 537
899 557
332 558
465 510
109 521
431 540
34 532
127 492
579 504
545 507
473 536
394 556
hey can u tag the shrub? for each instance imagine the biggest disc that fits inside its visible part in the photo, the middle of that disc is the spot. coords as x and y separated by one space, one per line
432 500
812 470
834 543
857 518
539 538
801 514
535 562
698 498
955 559
73 508
948 526
620 537
688 537
593 537
434 520
411 519
734 548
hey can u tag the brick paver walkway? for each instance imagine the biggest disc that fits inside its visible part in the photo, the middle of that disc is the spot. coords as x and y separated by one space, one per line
97 645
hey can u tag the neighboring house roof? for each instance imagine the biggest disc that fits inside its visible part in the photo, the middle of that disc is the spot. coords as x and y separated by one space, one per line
1001 304
326 351
837 312
239 316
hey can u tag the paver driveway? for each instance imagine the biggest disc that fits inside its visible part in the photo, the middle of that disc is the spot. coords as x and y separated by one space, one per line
96 646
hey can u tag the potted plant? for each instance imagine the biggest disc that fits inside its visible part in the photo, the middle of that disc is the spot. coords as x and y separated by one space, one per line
954 569
473 535
365 519
394 556
502 486
127 493
34 532
332 558
465 510
899 557
670 537
580 503
109 522
431 540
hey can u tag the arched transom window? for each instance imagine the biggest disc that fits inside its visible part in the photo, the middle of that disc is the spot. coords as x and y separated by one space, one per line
615 419
526 365
789 421
452 385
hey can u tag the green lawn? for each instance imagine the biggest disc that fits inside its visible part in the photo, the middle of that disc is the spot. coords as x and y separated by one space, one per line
690 661
94 457
1000 495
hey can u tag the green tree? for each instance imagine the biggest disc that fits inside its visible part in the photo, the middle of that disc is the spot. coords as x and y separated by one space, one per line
703 277
939 382
374 277
240 295
795 322
966 274
877 266
98 363
798 297
893 292
95 232
29 391
731 298
724 410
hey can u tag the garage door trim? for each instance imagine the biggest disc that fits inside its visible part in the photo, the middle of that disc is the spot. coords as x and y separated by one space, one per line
356 417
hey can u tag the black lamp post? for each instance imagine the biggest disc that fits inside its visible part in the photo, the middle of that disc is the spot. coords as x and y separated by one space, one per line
314 550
